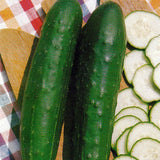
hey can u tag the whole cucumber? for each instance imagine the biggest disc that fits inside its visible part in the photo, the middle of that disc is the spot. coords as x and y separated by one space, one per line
47 83
94 86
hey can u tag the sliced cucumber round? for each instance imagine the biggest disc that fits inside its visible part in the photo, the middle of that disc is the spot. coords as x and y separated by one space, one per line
155 114
156 75
143 84
146 149
120 125
141 27
132 61
121 142
132 110
127 97
142 130
125 157
153 51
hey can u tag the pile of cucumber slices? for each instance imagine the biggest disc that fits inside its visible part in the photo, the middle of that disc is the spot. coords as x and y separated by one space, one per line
136 132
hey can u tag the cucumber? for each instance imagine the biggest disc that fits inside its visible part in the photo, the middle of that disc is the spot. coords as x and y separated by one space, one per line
156 73
125 157
99 65
142 130
141 27
132 61
154 114
152 50
121 143
133 110
143 84
121 125
47 83
127 97
146 149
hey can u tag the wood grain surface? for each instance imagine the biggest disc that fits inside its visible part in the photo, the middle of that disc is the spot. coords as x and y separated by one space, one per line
15 48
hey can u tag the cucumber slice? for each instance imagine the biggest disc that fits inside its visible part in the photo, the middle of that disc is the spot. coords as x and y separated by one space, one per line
132 110
127 97
121 142
156 74
125 157
141 27
132 61
153 51
120 125
142 130
143 84
155 114
146 149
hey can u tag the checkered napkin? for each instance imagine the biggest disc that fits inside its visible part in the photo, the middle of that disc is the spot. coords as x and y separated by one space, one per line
9 119
88 6
25 15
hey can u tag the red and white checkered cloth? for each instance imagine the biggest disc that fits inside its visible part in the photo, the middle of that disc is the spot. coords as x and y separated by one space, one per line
26 15
9 120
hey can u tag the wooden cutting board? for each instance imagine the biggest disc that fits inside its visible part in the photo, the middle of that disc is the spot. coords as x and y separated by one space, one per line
15 48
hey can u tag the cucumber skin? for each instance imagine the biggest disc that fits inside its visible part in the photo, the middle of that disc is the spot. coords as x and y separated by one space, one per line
47 83
95 83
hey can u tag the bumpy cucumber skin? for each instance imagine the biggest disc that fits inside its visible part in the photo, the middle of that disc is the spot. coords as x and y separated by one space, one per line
96 74
47 83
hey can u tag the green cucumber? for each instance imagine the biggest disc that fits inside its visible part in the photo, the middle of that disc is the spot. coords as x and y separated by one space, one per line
121 125
142 130
146 149
48 79
127 97
154 114
143 84
132 110
97 74
156 72
125 157
121 142
152 51
141 27
132 61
